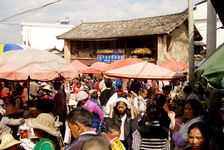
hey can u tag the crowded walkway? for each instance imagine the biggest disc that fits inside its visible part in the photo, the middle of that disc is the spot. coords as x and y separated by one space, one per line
98 113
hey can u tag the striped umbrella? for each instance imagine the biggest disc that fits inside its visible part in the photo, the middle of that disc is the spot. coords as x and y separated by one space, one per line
9 46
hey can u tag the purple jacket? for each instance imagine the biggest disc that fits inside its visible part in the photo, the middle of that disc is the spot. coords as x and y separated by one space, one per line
94 108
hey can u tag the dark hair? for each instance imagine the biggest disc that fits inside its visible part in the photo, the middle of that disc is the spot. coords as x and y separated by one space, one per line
114 128
160 99
94 95
98 142
188 89
196 107
204 131
57 84
51 137
153 111
201 126
115 108
81 115
166 88
19 89
108 83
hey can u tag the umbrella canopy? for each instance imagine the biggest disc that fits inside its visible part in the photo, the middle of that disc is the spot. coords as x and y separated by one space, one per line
212 70
174 66
79 65
99 66
69 72
122 63
199 63
30 63
9 46
96 68
144 70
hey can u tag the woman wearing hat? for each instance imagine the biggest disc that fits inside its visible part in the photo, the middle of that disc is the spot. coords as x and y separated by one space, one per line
125 118
9 143
46 128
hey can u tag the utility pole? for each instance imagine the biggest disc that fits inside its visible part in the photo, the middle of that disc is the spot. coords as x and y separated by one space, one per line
191 42
211 29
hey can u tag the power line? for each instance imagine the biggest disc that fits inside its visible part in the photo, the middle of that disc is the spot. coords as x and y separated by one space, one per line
30 10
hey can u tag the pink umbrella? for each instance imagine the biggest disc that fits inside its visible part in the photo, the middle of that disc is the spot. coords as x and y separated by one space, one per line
175 65
79 65
144 70
99 66
96 68
69 72
30 64
122 63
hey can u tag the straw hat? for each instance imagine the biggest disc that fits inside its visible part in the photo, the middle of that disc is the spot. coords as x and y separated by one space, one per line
45 122
8 141
81 96
47 87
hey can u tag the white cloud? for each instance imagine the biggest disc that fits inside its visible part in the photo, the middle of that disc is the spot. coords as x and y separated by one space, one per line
86 10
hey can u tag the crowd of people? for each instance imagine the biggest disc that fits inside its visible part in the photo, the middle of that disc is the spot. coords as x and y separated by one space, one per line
109 114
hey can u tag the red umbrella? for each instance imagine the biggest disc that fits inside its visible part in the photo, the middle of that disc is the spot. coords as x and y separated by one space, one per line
144 70
79 65
122 63
175 65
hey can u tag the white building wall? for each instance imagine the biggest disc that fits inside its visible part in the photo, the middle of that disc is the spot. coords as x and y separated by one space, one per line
43 36
200 19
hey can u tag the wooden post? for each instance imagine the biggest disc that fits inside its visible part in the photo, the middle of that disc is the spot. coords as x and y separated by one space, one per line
211 29
191 42
159 49
67 50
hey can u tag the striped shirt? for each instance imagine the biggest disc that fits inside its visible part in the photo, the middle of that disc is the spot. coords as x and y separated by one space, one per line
151 137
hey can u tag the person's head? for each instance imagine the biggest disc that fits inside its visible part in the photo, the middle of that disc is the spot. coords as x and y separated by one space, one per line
187 90
159 99
19 89
197 135
108 83
82 97
166 89
9 143
114 130
97 143
192 109
144 93
47 89
78 84
124 95
121 105
153 112
45 125
79 121
94 95
57 85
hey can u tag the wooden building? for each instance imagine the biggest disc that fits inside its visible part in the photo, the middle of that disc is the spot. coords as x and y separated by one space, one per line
166 36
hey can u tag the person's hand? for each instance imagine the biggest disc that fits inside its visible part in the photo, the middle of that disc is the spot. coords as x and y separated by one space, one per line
111 111
171 115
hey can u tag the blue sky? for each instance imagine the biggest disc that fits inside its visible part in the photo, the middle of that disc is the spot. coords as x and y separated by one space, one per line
77 10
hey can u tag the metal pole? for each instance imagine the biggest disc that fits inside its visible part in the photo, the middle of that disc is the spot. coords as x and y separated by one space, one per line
211 29
191 42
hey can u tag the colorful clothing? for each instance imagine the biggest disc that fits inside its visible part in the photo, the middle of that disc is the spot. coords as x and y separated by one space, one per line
44 144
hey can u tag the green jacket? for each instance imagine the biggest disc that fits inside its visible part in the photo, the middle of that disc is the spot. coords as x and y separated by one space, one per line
44 144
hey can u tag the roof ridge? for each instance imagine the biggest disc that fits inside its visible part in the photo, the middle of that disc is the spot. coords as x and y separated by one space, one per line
126 20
